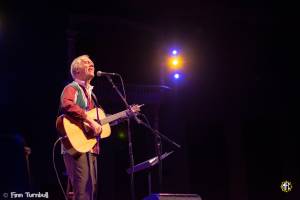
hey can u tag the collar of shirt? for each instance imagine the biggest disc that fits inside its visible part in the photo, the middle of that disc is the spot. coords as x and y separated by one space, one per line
88 87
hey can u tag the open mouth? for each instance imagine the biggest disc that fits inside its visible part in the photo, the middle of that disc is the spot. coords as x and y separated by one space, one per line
91 69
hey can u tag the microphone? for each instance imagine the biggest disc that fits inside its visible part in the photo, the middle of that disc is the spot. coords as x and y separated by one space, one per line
99 73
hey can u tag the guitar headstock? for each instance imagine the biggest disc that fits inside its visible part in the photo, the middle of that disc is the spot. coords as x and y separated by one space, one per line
135 108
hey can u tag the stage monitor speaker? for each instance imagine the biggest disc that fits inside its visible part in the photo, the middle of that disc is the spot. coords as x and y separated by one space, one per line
166 196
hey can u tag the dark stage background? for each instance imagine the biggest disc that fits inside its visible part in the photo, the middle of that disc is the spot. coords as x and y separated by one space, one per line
231 113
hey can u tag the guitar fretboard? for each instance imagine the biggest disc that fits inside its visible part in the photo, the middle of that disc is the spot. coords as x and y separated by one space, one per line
114 117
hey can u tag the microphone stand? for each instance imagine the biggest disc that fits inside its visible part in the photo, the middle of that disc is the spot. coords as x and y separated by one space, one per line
130 151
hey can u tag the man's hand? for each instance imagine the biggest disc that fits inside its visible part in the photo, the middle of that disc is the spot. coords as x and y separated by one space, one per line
96 127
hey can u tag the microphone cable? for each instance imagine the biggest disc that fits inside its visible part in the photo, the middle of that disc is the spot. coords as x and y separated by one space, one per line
54 166
122 83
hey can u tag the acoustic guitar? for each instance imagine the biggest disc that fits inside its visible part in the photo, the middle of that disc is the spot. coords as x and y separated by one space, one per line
79 137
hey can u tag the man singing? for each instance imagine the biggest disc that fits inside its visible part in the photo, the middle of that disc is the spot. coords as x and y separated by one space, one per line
76 100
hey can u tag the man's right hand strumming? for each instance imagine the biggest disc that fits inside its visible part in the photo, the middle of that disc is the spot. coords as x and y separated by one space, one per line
96 127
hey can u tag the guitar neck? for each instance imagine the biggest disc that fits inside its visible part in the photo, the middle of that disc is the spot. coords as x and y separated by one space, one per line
114 117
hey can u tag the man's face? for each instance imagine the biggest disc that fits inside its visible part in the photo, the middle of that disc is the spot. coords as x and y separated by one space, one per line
86 70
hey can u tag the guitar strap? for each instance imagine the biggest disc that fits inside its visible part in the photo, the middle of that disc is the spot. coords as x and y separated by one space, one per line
97 105
94 98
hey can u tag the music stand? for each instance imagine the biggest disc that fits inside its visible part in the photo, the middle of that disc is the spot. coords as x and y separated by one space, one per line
147 165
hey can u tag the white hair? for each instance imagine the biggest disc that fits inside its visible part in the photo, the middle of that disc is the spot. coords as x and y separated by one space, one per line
76 64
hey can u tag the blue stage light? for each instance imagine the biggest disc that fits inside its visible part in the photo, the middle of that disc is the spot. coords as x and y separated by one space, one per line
176 76
174 52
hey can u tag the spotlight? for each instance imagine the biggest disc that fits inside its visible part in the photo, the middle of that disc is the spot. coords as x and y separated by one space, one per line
176 75
175 62
174 52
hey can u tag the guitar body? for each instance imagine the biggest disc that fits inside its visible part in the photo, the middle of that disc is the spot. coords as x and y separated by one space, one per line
78 136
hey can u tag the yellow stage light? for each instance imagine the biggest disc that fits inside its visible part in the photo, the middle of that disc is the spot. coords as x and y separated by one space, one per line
175 62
